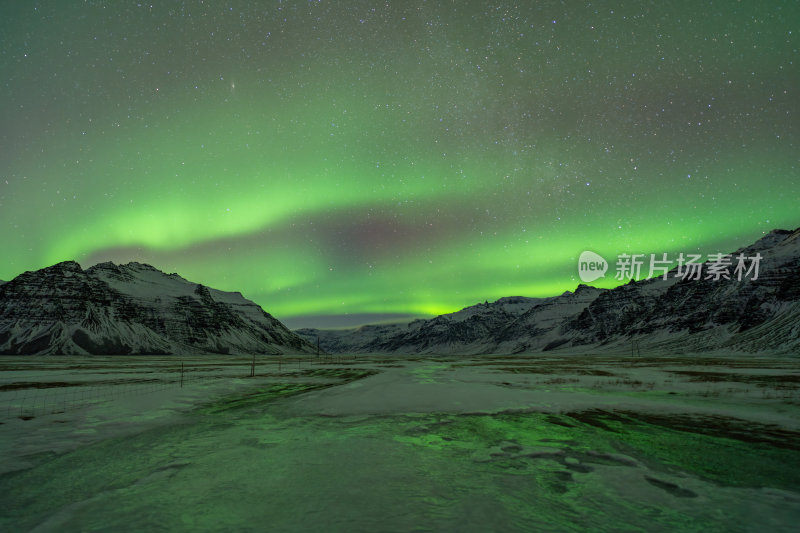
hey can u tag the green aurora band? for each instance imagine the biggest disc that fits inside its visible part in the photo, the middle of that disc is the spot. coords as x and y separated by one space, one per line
410 158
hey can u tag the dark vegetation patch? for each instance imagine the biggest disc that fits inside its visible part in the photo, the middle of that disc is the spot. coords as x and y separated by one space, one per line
265 394
763 380
346 374
17 385
711 425
560 381
20 385
672 488
262 395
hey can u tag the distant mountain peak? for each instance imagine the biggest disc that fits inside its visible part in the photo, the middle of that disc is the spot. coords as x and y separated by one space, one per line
768 241
141 266
65 266
104 265
778 231
583 288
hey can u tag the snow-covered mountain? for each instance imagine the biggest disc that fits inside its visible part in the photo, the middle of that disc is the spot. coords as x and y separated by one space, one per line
668 316
471 325
132 309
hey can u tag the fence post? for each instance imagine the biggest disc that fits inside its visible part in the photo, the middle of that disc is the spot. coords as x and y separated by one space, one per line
181 374
253 367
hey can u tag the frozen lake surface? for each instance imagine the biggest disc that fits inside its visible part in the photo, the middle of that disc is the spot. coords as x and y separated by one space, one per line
377 443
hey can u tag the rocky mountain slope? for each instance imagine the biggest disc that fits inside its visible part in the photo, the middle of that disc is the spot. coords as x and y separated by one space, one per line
132 309
669 316
470 325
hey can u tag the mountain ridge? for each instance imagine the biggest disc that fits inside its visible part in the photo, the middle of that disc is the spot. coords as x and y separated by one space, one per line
137 309
652 315
132 309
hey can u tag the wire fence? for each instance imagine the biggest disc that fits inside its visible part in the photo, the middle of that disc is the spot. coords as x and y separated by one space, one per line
32 390
31 399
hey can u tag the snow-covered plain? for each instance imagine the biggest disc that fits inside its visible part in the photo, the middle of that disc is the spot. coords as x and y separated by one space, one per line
378 443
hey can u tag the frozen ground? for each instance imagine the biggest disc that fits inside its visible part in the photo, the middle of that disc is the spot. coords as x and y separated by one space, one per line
523 443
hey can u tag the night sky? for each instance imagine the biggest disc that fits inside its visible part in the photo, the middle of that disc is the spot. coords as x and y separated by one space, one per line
380 159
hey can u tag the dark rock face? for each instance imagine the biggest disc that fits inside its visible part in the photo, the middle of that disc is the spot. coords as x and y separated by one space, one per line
131 309
709 314
671 316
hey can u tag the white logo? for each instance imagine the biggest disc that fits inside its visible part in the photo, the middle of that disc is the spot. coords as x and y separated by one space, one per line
591 266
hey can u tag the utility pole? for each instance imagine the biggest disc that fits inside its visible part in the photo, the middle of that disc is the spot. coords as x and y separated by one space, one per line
635 351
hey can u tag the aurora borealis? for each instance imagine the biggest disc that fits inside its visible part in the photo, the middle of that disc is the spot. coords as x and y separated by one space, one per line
392 158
